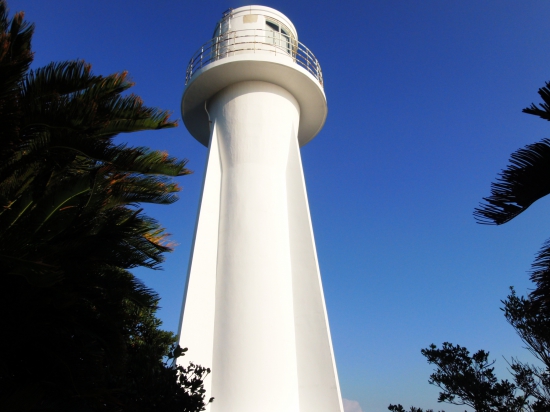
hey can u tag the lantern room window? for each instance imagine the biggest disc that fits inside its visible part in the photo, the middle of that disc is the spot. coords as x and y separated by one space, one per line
278 34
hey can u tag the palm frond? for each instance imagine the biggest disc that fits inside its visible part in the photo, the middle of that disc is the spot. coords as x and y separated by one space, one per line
13 212
128 114
15 50
20 35
121 238
121 157
66 96
132 189
524 181
544 110
15 182
4 20
540 275
57 79
59 196
146 161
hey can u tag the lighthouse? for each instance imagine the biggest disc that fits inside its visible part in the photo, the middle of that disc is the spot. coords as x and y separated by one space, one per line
254 310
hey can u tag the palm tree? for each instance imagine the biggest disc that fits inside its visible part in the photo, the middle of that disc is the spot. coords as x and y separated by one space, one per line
74 320
523 182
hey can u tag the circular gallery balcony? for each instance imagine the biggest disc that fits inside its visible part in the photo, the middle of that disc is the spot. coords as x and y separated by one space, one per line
254 43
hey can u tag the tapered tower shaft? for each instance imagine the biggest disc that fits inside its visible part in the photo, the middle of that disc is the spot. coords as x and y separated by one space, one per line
256 123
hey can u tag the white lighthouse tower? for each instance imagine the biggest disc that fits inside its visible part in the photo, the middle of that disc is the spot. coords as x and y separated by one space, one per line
254 309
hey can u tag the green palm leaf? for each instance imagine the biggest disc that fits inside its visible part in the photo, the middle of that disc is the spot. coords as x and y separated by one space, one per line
15 53
58 79
524 181
71 228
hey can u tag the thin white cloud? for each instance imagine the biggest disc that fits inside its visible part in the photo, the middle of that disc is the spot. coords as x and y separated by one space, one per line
351 406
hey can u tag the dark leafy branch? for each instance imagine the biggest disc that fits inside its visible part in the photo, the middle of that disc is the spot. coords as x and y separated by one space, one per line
79 330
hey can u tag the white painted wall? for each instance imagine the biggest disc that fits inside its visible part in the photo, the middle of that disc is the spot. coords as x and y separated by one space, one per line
245 31
237 20
196 331
254 340
317 375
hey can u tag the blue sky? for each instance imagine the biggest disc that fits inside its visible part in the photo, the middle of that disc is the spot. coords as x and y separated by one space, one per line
425 102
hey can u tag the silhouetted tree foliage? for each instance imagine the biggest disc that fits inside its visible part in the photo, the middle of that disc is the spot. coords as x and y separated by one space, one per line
79 331
399 408
466 379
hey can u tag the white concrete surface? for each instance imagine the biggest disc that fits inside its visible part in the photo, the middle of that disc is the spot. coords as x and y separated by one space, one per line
254 301
272 69
254 309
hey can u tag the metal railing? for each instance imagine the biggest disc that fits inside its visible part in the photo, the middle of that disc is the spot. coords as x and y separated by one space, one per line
254 41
